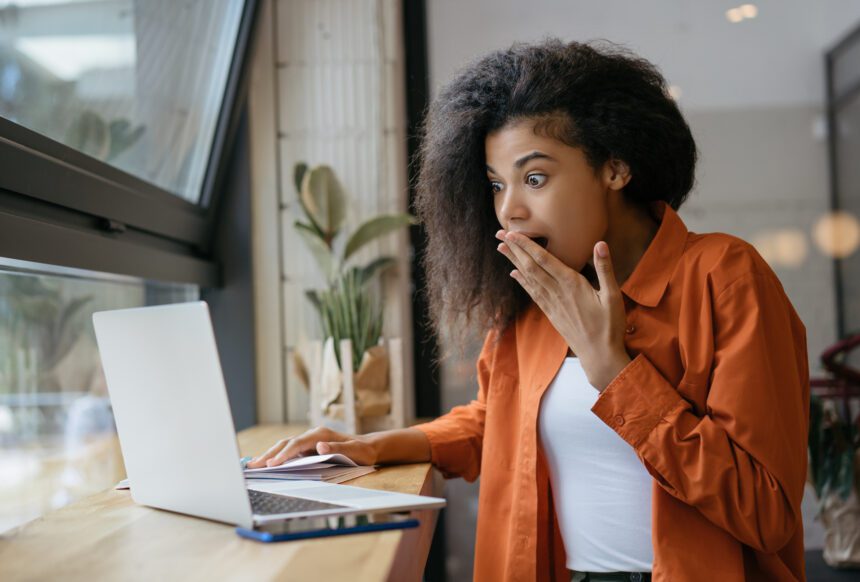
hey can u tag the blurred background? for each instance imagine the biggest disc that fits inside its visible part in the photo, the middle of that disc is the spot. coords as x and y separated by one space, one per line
147 150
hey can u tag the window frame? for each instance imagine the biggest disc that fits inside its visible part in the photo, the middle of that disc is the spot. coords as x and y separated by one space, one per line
101 218
835 100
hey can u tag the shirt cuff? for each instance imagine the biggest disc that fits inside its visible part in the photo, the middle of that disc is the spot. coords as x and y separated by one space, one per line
636 401
452 456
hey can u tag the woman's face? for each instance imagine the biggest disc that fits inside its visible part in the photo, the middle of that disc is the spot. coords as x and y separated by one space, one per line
547 190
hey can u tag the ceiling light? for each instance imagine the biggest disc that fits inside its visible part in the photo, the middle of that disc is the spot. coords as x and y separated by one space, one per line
742 12
734 15
784 247
837 234
749 10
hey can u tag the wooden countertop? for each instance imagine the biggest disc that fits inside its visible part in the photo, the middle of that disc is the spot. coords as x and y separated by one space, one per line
108 537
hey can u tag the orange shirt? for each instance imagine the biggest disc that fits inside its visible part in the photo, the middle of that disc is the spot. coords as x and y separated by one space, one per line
715 403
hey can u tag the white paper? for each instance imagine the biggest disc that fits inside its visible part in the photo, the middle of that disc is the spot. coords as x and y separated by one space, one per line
331 468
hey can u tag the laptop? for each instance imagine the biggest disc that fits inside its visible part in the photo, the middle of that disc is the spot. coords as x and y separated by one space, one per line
176 431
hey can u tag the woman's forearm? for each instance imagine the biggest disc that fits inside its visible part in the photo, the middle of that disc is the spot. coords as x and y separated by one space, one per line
404 445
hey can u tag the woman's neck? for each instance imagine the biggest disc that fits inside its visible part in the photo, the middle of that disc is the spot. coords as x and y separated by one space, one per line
631 230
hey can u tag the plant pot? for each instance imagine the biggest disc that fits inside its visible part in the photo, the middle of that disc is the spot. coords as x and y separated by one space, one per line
841 519
371 398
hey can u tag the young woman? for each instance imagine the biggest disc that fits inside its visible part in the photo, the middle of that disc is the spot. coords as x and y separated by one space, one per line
643 390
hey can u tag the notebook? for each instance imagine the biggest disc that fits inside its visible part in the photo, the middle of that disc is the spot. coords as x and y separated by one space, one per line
332 468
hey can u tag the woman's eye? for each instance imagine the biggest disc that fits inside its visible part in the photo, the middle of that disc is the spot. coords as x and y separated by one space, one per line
536 180
495 186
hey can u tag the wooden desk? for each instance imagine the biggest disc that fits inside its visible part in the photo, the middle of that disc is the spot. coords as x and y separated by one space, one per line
108 537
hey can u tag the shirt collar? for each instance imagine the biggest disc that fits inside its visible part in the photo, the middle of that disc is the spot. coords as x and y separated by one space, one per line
648 282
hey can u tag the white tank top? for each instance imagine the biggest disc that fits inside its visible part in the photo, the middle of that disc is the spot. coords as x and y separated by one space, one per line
601 490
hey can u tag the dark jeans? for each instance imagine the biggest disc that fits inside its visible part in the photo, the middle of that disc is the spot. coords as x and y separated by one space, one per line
610 577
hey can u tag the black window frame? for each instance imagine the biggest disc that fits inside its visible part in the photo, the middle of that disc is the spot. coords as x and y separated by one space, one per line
836 99
59 206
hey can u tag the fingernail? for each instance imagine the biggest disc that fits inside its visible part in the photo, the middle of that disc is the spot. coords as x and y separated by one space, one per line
323 448
602 250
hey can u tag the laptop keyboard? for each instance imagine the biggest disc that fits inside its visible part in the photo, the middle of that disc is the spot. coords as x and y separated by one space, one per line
272 504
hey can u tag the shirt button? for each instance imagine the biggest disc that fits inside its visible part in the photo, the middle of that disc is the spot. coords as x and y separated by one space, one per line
630 328
619 420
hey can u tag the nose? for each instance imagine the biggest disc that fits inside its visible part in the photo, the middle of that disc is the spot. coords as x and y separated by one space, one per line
510 206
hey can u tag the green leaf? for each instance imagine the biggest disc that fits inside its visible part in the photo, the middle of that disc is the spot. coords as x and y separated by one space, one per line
298 174
313 297
348 310
323 255
122 137
368 271
67 330
815 443
832 446
89 133
323 199
376 227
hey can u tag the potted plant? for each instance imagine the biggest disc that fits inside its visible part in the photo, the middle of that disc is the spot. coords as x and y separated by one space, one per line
834 456
346 307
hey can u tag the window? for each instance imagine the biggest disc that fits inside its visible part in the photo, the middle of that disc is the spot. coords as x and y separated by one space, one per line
843 108
116 118
56 427
114 115
136 84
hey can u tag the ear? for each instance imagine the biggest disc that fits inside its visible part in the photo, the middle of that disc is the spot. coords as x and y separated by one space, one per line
616 174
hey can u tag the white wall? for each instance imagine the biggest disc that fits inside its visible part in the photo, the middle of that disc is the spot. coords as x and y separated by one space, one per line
773 59
328 89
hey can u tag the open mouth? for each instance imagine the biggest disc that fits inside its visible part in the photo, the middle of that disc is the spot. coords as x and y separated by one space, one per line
541 240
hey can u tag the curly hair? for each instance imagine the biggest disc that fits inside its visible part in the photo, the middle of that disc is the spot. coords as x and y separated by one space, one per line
596 96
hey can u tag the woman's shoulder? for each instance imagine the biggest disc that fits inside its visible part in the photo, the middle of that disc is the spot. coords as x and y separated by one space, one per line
721 259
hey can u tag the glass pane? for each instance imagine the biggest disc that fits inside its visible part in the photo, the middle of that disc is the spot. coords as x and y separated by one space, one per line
847 153
135 83
56 426
846 69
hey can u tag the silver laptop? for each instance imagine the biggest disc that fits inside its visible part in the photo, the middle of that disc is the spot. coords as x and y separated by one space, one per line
176 431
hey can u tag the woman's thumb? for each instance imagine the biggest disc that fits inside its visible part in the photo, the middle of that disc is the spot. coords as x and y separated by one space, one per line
329 448
603 266
351 449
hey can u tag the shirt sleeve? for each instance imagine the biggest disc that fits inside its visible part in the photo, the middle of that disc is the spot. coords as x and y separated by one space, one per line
742 464
456 438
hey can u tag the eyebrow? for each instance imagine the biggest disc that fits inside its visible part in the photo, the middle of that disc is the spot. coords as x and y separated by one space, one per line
527 158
